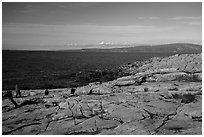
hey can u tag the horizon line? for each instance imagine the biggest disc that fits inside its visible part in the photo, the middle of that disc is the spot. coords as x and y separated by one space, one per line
139 45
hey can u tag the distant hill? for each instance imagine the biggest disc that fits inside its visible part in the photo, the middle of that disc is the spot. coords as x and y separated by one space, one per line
165 48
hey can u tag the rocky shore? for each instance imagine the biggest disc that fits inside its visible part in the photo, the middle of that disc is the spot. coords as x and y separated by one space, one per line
159 96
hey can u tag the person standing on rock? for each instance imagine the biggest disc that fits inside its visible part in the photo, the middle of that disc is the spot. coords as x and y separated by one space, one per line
17 91
73 91
9 96
73 88
46 92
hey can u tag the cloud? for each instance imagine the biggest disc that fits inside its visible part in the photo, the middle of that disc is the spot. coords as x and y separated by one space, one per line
19 28
141 18
185 18
36 36
197 21
151 18
39 34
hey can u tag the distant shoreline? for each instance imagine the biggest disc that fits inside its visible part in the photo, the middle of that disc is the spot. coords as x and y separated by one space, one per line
106 48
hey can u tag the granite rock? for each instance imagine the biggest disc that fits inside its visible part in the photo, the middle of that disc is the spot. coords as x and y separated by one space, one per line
160 96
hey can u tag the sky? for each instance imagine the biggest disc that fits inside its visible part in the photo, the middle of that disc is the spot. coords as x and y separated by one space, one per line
69 25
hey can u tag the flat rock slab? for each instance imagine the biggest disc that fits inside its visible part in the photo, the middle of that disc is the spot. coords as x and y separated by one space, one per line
156 111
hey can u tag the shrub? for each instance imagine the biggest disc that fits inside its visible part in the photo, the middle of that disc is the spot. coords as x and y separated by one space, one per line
185 98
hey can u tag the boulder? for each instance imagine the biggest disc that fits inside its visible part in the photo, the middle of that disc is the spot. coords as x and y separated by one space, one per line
101 90
32 93
63 105
83 90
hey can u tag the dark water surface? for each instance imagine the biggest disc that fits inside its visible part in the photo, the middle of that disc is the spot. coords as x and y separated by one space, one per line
40 69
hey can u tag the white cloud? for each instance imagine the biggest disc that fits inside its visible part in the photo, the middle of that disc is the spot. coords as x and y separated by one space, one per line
154 18
141 18
185 18
198 23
